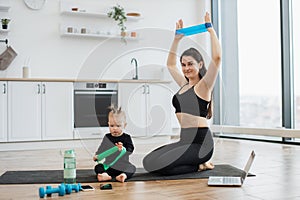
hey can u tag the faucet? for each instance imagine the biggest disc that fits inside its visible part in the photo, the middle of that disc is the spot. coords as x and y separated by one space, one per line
136 68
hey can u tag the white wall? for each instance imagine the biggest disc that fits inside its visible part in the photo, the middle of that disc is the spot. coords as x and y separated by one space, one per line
36 34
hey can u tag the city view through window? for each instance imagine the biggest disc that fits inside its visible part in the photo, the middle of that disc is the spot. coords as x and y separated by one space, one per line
259 63
296 37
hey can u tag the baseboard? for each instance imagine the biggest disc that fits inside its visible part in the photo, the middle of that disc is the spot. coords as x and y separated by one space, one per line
76 143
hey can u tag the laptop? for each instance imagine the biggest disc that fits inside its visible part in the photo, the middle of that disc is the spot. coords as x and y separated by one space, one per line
232 180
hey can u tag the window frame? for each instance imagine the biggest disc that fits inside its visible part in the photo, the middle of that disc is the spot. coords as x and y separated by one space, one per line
287 69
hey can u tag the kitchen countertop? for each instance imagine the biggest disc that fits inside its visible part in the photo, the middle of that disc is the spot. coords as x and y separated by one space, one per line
87 80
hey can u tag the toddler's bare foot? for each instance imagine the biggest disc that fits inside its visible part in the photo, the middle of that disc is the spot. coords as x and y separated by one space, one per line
103 177
121 178
206 166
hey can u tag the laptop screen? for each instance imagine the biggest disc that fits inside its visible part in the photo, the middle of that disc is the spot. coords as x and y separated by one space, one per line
248 164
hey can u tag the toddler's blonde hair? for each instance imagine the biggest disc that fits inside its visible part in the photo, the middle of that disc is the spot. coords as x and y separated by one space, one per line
117 113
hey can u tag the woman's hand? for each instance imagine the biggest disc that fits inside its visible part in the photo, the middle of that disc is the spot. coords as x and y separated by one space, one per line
179 25
119 145
207 19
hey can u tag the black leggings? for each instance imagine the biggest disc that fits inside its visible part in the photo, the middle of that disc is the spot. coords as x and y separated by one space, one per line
194 147
129 170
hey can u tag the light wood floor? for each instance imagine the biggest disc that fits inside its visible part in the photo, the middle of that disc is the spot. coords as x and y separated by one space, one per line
276 168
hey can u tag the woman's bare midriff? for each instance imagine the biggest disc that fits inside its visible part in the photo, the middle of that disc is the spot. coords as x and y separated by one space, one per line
190 121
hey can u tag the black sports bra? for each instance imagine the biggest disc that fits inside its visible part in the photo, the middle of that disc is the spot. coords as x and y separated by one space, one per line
188 102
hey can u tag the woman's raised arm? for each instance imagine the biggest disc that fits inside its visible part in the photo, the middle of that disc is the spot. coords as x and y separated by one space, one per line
213 68
172 57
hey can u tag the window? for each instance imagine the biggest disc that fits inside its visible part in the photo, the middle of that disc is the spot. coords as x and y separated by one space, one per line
296 38
259 63
256 67
251 67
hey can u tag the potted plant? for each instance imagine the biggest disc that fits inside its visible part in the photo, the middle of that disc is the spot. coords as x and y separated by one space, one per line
5 22
118 14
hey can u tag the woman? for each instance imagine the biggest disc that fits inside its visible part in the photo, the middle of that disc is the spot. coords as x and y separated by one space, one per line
192 107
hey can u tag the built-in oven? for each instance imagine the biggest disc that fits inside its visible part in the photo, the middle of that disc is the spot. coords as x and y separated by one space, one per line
91 103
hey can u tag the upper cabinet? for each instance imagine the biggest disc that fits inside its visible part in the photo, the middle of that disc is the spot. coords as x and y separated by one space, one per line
84 19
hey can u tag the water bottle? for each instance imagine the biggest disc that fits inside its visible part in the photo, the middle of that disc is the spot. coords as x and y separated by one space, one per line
69 166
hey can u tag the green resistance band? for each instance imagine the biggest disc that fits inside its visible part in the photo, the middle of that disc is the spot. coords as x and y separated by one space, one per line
109 152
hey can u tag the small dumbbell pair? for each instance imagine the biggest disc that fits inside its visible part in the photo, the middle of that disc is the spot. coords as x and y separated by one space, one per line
62 189
70 187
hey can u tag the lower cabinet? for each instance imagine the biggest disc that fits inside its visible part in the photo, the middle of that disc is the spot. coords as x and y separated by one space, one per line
147 107
3 111
40 110
57 111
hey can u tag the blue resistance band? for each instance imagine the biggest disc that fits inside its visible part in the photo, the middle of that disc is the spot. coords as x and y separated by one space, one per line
194 29
109 152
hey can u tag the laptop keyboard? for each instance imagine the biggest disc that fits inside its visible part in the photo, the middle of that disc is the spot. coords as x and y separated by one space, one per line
232 180
225 180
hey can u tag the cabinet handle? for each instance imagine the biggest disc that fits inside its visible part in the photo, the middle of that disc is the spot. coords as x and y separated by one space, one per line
44 88
4 88
144 90
148 89
39 89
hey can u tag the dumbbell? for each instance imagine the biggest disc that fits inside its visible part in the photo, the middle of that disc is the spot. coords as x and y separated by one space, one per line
61 190
70 187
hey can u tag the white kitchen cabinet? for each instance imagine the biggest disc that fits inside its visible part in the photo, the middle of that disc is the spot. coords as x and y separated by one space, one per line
57 110
24 111
147 107
39 110
3 111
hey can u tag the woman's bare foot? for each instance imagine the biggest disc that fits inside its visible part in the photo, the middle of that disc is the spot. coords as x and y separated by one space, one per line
206 166
103 177
121 178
